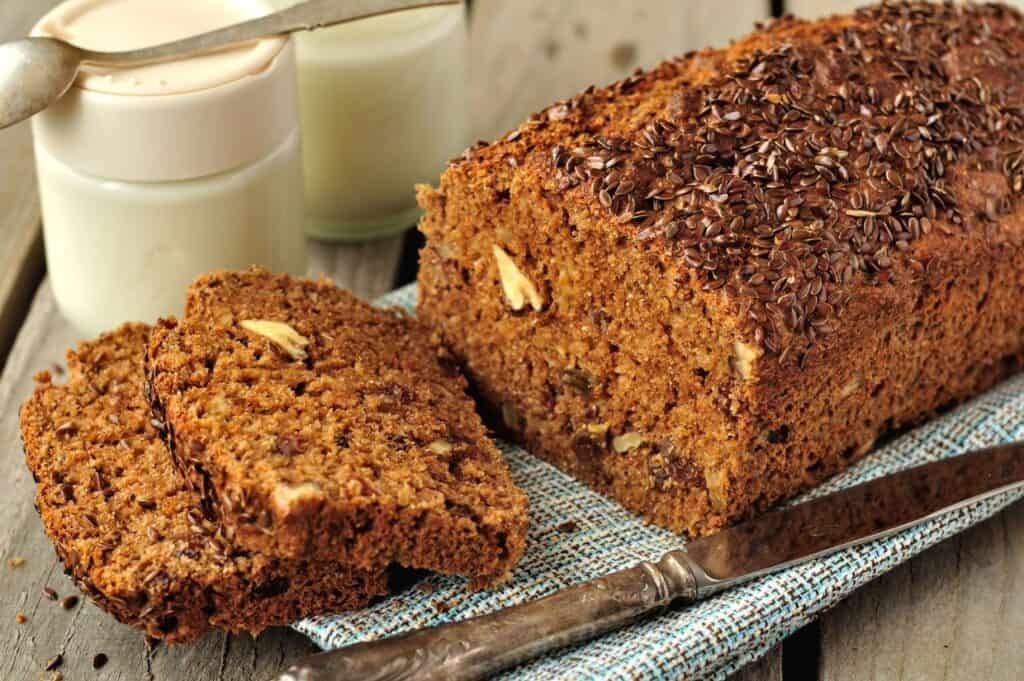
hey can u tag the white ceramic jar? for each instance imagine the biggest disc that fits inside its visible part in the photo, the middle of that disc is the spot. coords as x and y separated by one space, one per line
150 176
383 104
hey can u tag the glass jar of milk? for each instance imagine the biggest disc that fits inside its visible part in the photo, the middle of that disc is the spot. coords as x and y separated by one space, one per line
383 104
152 175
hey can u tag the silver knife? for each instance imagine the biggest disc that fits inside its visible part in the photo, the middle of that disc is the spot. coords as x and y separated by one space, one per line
481 646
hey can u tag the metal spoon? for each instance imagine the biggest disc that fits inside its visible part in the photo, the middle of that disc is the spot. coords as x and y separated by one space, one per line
36 72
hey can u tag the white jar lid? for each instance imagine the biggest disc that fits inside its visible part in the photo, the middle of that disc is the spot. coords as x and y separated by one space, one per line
174 121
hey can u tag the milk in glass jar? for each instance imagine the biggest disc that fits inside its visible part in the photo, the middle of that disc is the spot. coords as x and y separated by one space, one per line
149 176
383 105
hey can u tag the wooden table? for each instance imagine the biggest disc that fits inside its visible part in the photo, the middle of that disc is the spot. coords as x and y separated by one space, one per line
954 613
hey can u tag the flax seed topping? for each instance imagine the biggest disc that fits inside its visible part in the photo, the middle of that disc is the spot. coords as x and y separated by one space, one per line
814 165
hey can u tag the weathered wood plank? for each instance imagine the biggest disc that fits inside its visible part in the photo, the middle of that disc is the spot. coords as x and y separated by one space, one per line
367 269
953 613
768 668
812 9
529 53
21 246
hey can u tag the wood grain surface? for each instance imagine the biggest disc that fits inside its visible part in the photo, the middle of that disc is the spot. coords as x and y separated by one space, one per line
955 613
21 245
366 269
527 54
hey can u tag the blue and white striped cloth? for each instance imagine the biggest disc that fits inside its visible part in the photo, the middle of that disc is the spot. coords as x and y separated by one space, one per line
708 640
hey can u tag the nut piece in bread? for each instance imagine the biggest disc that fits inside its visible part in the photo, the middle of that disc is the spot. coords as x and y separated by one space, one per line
282 335
518 288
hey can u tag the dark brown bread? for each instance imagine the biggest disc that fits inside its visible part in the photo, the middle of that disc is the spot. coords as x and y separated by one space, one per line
130 532
345 434
706 287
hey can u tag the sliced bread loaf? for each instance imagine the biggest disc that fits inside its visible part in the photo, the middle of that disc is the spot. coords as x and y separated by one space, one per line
129 530
318 425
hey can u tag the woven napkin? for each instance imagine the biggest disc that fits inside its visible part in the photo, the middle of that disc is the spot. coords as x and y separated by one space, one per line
576 534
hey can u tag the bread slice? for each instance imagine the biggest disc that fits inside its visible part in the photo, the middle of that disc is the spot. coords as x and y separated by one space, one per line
129 530
318 425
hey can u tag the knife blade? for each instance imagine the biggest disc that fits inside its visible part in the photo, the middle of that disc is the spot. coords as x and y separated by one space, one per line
855 515
478 647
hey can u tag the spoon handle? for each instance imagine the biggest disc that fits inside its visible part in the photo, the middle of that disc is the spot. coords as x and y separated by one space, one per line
305 16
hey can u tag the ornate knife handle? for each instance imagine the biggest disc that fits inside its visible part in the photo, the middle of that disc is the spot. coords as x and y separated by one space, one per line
481 646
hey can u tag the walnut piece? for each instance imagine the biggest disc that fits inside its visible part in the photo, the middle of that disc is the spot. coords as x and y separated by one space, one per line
519 290
866 447
716 482
627 441
287 498
510 416
281 335
852 386
743 359
440 446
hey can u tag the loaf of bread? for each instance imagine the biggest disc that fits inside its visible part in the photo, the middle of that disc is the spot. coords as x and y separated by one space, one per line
710 285
128 529
317 425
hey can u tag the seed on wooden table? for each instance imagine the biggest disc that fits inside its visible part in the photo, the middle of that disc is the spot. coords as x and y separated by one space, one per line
57 661
50 593
99 661
20 617
15 562
69 602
